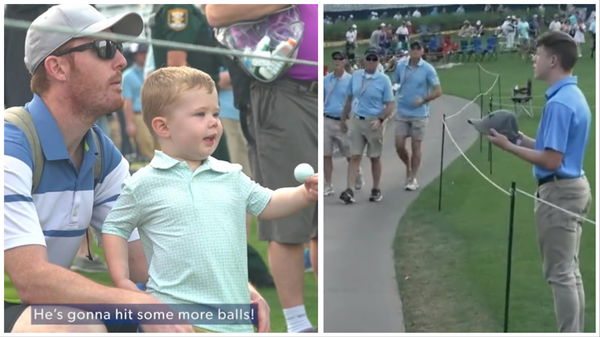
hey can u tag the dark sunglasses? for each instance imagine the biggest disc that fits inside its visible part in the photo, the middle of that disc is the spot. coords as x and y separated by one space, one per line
105 49
338 58
372 58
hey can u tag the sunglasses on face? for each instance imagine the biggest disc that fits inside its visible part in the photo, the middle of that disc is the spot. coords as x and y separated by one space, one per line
372 58
338 58
105 49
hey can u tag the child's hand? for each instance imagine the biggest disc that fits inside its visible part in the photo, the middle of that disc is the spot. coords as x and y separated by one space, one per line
127 284
312 187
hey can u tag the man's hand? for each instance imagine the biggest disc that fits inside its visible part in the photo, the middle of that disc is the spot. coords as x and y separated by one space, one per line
418 101
131 129
376 124
312 187
344 126
498 139
264 312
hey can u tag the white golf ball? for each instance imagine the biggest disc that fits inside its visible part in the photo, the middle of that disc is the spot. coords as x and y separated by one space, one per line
303 171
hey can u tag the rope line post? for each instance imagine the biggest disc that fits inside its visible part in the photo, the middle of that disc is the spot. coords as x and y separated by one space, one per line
480 106
500 90
509 254
442 162
490 159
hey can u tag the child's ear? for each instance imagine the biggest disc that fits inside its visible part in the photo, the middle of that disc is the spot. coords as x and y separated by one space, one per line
160 127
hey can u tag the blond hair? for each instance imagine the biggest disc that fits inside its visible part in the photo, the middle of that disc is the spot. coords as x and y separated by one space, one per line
164 86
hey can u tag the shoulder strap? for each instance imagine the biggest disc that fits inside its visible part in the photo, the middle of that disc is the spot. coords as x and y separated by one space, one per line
21 118
98 165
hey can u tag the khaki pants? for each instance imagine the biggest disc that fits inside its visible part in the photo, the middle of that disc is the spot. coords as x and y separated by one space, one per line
559 236
236 144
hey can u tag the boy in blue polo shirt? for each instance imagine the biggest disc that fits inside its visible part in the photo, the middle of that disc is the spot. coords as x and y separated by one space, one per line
189 207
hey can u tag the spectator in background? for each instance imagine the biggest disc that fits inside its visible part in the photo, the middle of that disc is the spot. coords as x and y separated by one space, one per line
402 35
416 13
351 36
376 36
369 104
579 35
292 97
466 30
434 11
555 25
133 79
478 29
230 118
460 10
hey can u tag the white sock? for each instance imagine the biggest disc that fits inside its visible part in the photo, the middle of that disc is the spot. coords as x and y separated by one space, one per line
296 320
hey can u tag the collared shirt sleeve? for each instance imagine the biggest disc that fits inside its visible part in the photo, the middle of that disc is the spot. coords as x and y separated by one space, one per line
21 223
432 77
115 171
124 217
555 133
257 197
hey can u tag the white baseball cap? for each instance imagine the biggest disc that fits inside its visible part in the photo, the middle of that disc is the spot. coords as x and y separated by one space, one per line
82 19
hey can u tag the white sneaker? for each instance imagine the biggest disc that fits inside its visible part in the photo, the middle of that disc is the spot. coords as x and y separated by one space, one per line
359 182
413 185
328 190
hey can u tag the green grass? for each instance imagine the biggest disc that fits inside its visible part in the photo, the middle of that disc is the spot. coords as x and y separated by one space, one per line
270 294
452 264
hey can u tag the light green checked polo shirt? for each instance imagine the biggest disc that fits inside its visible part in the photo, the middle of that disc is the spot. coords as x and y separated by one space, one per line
193 228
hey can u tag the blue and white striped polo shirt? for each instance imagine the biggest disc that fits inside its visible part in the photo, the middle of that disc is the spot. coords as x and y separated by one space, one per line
66 201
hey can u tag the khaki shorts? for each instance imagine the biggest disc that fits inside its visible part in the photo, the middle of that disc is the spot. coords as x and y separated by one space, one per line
414 128
334 137
361 135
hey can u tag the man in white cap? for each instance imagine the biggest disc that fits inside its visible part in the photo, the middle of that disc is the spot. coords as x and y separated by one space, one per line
351 35
76 79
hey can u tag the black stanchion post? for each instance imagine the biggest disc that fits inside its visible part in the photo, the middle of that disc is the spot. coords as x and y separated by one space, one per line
490 156
500 91
509 255
480 107
442 162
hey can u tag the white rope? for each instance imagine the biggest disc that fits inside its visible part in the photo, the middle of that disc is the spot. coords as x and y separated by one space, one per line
160 43
487 71
471 163
478 95
557 207
463 108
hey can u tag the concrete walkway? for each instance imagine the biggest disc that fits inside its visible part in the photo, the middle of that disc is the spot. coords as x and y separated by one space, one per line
360 288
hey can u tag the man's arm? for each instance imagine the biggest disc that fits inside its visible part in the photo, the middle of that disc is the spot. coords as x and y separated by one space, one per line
129 117
177 58
435 93
289 200
264 323
547 159
225 15
44 282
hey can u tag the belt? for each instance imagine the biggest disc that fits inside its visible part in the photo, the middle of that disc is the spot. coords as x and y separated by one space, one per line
332 117
552 177
362 118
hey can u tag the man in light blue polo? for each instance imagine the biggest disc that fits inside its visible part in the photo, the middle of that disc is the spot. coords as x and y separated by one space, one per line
557 154
417 84
371 102
336 89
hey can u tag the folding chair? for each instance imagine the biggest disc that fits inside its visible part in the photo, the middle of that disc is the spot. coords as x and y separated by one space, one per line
522 99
